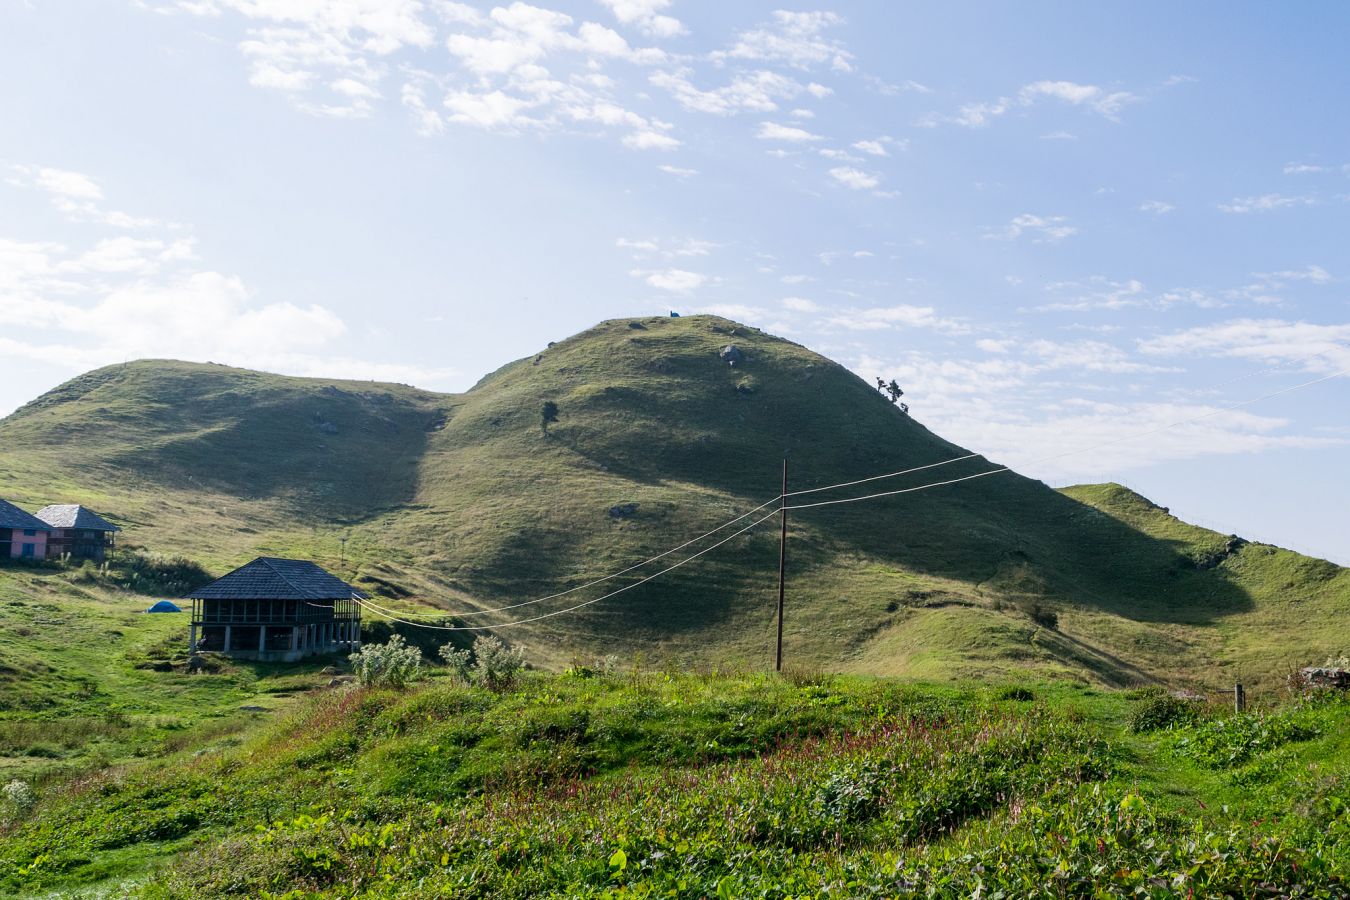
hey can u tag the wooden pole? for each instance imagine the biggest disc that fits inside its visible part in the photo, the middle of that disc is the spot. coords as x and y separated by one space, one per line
782 569
1239 698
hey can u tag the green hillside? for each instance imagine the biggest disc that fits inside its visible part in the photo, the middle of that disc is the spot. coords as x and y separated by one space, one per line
465 502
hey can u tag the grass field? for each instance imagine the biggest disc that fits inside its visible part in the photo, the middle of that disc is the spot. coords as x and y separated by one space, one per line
648 783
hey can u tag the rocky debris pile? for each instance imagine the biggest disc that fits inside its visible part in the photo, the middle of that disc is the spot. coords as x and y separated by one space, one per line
1326 677
623 511
732 355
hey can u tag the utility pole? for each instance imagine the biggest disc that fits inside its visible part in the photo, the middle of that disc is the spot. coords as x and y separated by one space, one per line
782 568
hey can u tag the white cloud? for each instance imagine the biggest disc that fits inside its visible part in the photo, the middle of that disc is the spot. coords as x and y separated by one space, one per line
738 312
1304 169
990 345
1265 203
75 195
757 91
1156 206
828 257
1048 229
876 147
1315 347
772 131
492 110
800 304
900 316
1105 103
645 14
678 172
675 248
678 281
855 179
796 39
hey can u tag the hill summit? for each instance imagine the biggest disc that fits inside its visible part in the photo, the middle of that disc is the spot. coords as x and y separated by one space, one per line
631 438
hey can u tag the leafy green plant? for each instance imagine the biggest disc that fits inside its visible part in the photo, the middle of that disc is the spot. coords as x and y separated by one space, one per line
394 664
1162 710
491 664
1225 743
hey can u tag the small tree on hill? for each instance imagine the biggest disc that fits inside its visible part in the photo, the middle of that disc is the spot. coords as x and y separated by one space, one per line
893 390
388 665
548 415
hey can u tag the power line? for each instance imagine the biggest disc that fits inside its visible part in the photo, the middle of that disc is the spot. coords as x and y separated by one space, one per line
844 484
610 577
376 609
922 487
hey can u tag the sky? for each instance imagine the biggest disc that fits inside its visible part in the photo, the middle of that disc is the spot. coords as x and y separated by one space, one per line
1059 226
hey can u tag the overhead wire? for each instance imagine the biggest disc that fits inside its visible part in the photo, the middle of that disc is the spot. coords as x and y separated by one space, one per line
690 542
376 609
601 580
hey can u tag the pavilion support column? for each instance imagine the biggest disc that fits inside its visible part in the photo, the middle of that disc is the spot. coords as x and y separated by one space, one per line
295 638
192 638
227 639
262 639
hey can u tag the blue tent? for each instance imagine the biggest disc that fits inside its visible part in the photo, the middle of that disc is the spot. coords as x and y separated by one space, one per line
164 606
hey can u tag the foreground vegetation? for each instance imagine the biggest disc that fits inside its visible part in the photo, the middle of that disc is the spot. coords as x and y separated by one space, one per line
645 784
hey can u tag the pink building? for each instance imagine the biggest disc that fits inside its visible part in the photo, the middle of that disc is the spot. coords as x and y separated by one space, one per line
22 536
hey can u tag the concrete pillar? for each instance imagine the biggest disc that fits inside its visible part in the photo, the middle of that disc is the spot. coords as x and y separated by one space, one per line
262 638
295 637
227 639
192 639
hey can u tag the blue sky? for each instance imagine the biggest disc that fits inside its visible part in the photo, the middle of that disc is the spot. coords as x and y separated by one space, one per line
1056 224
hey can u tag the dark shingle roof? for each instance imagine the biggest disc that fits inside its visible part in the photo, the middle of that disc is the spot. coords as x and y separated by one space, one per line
13 517
71 515
268 578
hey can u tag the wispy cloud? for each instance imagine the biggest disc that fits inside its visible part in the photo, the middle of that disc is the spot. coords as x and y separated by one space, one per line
856 179
772 131
676 281
1043 229
1265 203
797 39
1104 102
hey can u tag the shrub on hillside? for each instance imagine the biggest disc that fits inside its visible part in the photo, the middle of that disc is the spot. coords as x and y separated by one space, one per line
387 665
491 664
1160 710
17 799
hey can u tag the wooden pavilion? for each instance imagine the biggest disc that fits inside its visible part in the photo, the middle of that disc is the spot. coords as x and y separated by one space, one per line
276 610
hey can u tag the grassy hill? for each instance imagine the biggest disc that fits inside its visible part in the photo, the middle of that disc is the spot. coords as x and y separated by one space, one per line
465 502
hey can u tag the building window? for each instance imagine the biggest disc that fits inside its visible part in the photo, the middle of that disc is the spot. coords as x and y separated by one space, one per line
28 551
30 532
